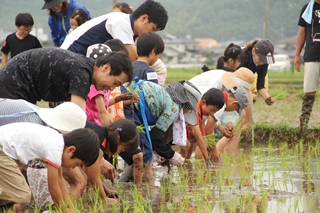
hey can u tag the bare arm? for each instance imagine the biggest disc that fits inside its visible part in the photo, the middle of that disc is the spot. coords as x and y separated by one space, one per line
4 59
104 116
264 93
138 165
200 142
81 102
93 174
132 51
301 37
54 186
247 116
209 128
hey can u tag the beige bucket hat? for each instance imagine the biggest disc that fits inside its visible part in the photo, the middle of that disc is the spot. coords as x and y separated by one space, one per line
241 77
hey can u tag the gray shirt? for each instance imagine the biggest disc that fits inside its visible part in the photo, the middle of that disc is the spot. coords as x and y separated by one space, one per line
19 111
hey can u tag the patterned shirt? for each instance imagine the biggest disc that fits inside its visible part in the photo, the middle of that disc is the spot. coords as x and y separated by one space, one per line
48 74
160 103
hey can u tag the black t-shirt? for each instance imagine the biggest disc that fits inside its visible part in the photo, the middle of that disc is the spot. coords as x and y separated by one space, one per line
14 45
312 49
101 132
103 135
49 74
260 70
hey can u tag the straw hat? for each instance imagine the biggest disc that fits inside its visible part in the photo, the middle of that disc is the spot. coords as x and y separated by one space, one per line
241 77
65 117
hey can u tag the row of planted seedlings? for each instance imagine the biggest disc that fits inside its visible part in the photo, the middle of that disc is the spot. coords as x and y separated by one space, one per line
242 182
250 180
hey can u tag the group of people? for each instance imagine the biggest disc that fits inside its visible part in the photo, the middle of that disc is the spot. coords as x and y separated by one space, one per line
105 80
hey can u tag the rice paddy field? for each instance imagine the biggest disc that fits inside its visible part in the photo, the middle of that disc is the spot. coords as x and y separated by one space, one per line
276 171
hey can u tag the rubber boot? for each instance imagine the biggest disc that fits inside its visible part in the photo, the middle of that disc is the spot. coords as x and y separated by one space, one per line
307 104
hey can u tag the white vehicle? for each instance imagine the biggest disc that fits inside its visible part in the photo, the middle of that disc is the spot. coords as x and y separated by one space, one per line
282 63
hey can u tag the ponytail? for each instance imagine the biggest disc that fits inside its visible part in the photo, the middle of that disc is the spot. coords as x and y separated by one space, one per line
124 132
220 63
205 68
249 46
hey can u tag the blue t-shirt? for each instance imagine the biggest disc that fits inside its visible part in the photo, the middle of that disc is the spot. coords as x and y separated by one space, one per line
144 71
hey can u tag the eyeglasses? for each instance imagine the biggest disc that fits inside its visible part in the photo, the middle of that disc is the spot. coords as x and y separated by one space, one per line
27 30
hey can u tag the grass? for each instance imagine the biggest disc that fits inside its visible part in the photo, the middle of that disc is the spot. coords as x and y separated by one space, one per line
275 78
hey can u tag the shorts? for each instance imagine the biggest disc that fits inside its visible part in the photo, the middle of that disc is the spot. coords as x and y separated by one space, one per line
311 76
12 182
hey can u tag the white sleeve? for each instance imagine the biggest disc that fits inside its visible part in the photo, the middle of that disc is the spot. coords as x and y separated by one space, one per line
218 114
118 26
53 157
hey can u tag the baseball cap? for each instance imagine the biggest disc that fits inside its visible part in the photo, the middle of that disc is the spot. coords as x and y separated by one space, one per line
265 49
242 97
65 117
96 50
51 3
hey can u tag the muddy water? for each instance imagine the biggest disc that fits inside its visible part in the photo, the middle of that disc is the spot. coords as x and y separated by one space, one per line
260 179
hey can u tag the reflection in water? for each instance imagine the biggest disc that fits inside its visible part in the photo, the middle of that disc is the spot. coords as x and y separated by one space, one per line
263 179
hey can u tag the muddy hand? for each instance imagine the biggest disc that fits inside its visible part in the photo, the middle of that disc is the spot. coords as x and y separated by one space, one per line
126 96
110 193
269 101
158 158
108 170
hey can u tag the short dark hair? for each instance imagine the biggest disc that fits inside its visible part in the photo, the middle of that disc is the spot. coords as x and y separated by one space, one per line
129 136
80 16
149 41
24 19
156 12
119 63
116 45
214 97
87 145
124 7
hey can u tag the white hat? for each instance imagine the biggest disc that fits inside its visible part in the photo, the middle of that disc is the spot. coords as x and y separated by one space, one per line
65 117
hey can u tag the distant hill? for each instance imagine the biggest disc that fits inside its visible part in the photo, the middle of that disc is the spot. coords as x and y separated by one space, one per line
222 20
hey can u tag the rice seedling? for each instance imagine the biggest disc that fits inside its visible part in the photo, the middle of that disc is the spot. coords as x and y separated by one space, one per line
210 140
279 94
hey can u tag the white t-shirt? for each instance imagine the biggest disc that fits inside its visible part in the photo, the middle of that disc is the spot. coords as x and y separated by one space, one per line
98 30
207 80
28 141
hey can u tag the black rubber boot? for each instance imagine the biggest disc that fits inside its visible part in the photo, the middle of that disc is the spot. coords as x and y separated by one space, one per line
307 104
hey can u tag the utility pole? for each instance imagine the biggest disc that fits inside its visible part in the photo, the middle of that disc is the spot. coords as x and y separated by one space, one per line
266 21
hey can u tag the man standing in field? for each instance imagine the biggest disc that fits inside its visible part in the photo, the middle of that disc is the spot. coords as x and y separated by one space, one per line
309 34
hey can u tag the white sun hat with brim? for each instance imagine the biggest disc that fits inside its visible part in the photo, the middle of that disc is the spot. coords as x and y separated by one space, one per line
241 77
65 117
